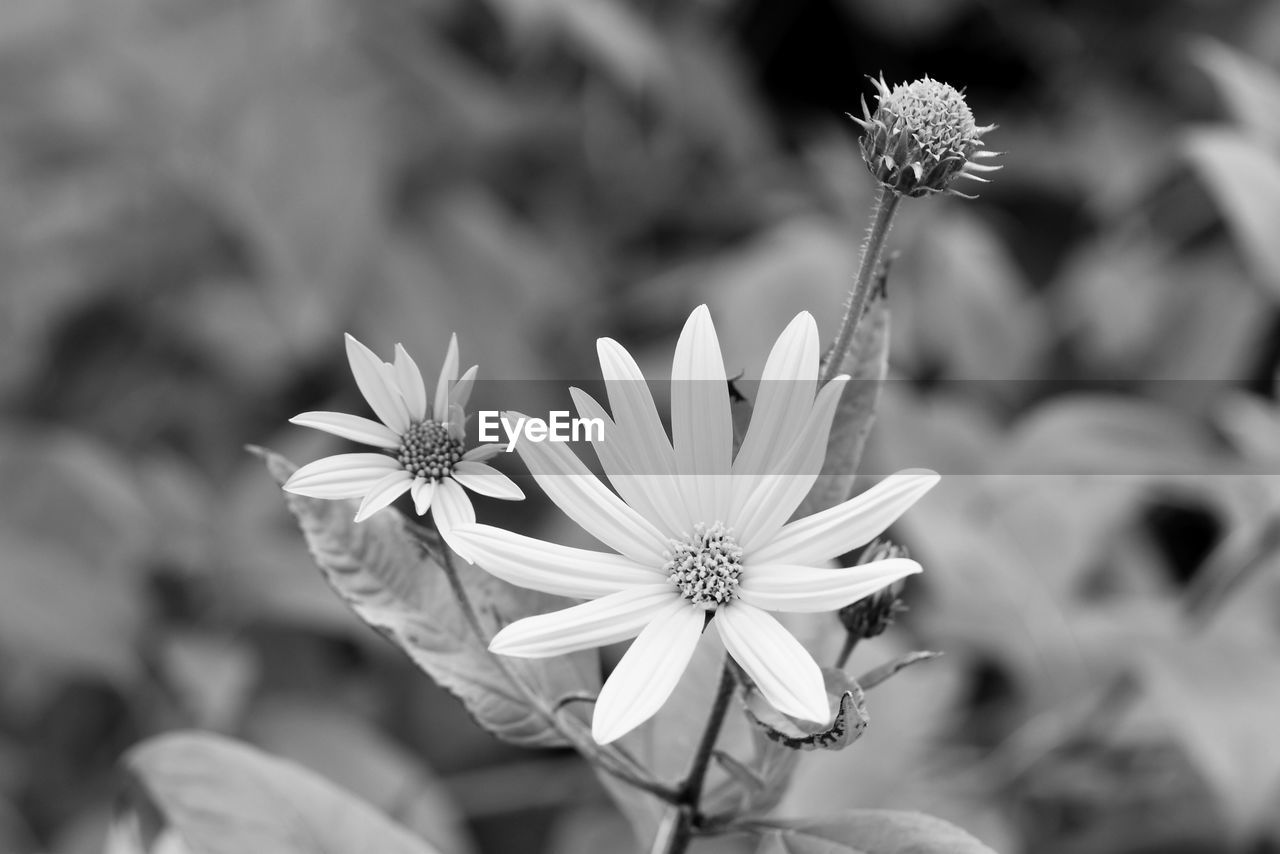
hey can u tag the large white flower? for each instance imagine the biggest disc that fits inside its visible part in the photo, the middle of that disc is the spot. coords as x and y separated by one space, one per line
699 536
422 443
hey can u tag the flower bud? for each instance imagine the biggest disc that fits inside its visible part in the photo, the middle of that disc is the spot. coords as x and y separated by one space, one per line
921 137
871 615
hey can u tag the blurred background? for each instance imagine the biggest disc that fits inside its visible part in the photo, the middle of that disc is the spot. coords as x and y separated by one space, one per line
198 198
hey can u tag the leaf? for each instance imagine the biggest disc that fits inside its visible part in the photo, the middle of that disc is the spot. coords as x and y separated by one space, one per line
224 797
1244 178
388 576
867 365
1250 89
876 675
848 710
1219 697
870 832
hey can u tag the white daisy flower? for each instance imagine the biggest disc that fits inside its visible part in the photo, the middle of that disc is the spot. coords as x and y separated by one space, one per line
421 443
697 536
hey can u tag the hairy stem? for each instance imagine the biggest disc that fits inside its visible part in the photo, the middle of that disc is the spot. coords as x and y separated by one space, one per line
675 839
886 205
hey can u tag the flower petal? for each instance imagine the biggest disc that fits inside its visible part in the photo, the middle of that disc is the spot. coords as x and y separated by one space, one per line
806 589
777 496
551 568
341 476
460 394
783 401
606 620
653 494
818 538
383 492
375 383
587 501
351 427
423 491
450 507
701 429
480 453
782 669
486 480
448 373
409 378
648 672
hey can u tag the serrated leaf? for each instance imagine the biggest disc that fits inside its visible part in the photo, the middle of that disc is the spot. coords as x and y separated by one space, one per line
848 710
867 365
224 797
870 832
1244 178
389 577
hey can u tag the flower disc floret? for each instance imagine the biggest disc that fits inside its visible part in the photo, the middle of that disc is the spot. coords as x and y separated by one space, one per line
705 566
429 450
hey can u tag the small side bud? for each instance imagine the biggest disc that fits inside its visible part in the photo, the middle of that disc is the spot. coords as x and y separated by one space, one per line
921 137
870 616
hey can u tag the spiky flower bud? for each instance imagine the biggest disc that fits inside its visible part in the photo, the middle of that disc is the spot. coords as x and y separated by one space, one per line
870 616
921 137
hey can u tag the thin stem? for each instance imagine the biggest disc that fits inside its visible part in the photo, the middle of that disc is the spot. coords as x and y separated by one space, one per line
850 642
676 838
886 204
610 761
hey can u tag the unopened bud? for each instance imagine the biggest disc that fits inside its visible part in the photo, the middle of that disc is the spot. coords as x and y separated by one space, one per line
871 615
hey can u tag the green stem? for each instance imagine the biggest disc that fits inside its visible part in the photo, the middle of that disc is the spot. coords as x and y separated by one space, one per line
610 761
676 838
886 204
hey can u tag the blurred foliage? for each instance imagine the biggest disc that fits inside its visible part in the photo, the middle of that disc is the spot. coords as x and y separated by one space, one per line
198 198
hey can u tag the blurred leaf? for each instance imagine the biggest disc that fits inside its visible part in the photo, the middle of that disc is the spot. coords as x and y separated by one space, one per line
224 797
211 674
870 832
1219 697
1244 179
847 707
867 365
390 580
1251 89
349 752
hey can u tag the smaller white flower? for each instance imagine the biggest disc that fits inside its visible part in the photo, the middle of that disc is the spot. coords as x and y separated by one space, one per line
422 443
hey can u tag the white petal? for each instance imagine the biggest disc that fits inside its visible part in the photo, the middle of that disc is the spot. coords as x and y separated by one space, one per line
648 672
350 427
448 373
486 480
480 453
701 428
551 568
610 619
374 380
806 589
782 404
423 491
341 476
587 501
460 394
409 378
450 507
640 432
383 492
777 496
818 538
782 669
654 495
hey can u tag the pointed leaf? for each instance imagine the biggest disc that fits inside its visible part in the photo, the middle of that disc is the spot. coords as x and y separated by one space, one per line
224 797
848 709
870 832
386 571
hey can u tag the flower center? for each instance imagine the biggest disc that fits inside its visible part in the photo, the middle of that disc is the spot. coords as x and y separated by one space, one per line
705 567
427 450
